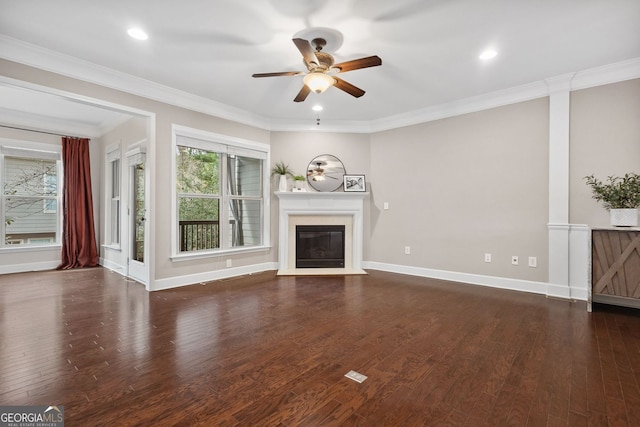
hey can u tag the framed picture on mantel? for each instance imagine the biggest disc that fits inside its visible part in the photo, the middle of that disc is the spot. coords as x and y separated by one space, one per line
354 183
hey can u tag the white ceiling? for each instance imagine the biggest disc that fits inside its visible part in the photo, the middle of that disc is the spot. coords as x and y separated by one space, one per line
429 48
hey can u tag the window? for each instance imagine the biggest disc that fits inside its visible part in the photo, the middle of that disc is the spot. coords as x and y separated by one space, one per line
30 197
220 192
112 191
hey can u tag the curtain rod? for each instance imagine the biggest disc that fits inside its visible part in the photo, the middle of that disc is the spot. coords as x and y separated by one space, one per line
38 131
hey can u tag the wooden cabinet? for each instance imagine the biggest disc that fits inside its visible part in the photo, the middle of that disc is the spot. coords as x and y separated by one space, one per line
615 266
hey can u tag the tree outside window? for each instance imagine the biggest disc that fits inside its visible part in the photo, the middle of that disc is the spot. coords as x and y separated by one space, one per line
30 197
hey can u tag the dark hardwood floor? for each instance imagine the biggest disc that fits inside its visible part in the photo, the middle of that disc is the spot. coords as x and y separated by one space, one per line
263 350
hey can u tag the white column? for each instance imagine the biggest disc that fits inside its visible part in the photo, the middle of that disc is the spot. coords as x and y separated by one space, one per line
559 103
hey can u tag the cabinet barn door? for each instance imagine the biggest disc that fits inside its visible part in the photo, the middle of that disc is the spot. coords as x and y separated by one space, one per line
616 263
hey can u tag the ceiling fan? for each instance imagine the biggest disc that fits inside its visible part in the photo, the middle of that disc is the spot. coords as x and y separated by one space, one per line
322 69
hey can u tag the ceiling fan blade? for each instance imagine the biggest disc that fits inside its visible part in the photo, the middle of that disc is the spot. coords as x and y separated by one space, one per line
348 87
302 95
356 64
307 51
282 73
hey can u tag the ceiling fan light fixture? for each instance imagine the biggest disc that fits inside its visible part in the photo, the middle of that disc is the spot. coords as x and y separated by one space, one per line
318 82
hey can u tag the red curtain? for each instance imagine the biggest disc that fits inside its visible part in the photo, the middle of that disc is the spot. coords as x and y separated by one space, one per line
79 247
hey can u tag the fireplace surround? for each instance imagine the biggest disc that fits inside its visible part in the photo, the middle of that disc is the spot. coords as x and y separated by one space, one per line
316 208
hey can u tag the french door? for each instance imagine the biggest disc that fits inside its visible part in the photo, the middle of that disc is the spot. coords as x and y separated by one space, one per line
137 263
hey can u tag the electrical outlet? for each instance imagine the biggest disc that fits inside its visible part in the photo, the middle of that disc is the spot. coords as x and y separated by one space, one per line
229 263
487 257
407 250
533 261
514 259
385 206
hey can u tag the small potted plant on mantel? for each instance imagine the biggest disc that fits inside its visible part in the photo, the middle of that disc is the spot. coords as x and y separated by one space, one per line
620 196
283 171
298 182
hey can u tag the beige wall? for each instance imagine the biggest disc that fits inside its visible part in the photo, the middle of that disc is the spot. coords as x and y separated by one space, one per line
461 187
297 149
457 188
160 160
131 132
166 116
605 140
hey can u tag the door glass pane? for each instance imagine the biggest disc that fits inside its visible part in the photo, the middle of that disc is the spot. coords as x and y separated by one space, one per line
114 213
139 212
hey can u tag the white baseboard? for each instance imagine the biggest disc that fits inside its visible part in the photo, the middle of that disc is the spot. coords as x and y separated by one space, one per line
117 268
174 282
29 266
556 291
477 279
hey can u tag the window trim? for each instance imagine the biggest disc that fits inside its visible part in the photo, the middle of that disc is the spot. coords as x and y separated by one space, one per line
211 141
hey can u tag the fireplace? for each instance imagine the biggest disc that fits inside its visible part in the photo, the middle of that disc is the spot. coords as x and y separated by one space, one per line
320 246
336 209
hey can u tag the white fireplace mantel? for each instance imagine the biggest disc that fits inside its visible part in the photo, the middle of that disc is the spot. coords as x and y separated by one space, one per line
320 207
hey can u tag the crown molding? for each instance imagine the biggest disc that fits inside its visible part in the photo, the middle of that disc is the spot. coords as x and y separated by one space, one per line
611 73
462 106
34 122
20 121
560 83
46 59
49 60
606 74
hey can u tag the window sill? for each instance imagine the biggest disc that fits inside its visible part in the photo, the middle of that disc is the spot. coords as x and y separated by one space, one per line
226 252
30 248
115 248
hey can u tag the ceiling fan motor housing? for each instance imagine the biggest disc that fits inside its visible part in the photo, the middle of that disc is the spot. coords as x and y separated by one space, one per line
325 60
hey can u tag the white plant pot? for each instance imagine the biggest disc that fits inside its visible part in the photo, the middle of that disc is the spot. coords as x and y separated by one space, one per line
282 184
624 217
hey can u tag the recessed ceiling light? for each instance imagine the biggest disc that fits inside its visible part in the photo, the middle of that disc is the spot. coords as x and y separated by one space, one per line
317 108
488 54
137 33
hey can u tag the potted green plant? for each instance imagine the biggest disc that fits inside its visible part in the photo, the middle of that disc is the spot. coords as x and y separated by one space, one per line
620 196
283 171
298 181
